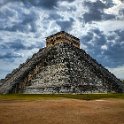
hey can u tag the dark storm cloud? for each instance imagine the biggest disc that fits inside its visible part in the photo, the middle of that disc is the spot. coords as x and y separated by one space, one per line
19 45
14 45
95 37
29 19
23 21
119 34
54 16
111 57
47 4
3 2
9 56
116 56
107 16
65 25
96 11
116 51
121 11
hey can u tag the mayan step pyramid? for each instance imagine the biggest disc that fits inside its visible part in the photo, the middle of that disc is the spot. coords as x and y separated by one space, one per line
61 67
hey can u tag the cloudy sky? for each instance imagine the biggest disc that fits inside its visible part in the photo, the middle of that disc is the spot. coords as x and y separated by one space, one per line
99 24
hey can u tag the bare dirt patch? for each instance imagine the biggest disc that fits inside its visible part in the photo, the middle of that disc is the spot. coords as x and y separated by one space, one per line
62 111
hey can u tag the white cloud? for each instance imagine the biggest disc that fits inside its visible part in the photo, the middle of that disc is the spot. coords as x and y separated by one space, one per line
118 71
28 38
109 25
11 14
74 10
83 46
104 47
116 8
28 53
6 66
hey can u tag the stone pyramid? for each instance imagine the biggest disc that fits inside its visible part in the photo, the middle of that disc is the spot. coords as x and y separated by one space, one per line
61 67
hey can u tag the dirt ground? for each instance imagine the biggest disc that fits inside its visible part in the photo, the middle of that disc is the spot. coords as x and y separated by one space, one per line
62 111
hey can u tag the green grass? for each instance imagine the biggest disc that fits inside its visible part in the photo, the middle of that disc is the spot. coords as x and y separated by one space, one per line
59 96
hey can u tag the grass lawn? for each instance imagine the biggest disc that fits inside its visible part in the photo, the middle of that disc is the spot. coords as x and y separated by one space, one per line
59 96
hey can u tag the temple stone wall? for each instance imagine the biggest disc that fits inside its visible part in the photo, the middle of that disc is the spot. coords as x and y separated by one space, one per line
62 37
61 68
66 71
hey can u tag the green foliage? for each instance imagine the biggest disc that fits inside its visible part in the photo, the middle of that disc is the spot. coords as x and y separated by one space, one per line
59 96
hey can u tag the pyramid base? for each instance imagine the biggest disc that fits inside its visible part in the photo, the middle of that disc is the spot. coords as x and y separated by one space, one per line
64 89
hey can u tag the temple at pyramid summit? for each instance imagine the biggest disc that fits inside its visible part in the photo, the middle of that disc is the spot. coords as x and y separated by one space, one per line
61 67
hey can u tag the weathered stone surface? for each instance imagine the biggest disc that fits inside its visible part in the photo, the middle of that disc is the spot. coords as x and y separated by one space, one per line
62 68
62 37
